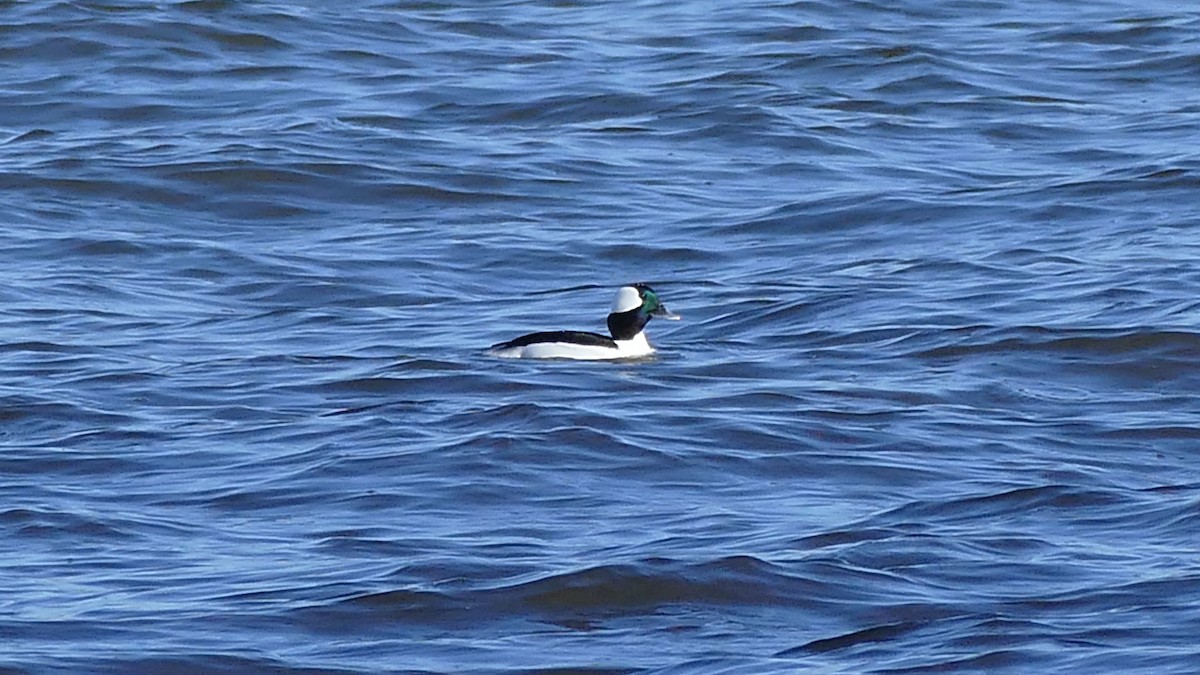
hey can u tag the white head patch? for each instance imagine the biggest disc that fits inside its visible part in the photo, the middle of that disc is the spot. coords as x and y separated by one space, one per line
627 298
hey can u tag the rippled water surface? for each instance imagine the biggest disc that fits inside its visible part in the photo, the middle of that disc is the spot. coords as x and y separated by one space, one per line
932 405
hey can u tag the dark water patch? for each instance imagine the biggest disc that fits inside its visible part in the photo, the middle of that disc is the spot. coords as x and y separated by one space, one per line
28 417
1008 503
998 659
109 248
1113 343
38 346
31 135
605 590
215 662
207 5
221 175
598 594
401 605
572 110
85 188
874 634
1122 597
42 525
57 49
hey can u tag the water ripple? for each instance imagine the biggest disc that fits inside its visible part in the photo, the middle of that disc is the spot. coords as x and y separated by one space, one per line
931 406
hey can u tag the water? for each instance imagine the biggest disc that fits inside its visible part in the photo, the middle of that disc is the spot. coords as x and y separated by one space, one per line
931 407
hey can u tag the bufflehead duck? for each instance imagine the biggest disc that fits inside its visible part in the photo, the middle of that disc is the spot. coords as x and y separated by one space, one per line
631 311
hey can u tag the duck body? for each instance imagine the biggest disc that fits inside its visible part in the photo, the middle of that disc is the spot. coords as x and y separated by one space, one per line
564 344
631 311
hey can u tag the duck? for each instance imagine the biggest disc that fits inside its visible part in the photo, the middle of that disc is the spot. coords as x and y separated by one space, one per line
631 310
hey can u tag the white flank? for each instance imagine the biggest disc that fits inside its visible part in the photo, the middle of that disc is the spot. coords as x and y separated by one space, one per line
626 349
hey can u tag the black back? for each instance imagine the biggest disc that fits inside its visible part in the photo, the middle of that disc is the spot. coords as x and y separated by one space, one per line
570 336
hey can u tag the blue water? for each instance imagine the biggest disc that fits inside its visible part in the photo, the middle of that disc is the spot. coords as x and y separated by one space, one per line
932 405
